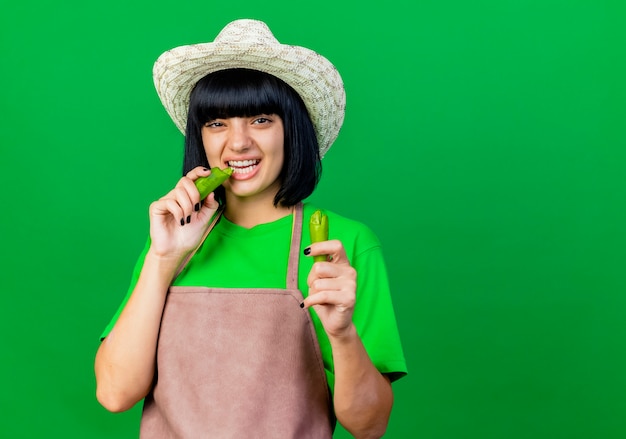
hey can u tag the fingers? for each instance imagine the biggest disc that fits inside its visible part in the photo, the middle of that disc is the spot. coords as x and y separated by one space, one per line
184 200
167 206
326 277
333 282
337 267
333 249
187 197
332 292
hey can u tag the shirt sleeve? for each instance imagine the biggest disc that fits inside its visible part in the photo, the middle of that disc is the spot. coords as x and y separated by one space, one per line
374 316
131 287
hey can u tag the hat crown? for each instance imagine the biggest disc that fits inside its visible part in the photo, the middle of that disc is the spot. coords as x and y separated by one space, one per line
246 32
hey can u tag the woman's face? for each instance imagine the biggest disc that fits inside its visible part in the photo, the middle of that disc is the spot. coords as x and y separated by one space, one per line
253 147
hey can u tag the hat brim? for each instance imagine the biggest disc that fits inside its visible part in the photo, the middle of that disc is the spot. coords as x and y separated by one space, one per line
311 75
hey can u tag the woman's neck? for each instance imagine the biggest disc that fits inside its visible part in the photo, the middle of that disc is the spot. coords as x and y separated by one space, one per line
250 212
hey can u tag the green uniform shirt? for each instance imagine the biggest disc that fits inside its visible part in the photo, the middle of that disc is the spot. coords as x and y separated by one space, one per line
236 257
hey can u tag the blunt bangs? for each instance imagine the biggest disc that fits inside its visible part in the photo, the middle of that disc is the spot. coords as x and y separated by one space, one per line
235 93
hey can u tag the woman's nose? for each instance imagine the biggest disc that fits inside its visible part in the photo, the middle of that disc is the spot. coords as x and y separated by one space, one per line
240 139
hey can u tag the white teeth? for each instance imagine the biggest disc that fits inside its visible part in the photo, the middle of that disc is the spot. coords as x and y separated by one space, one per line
242 163
243 166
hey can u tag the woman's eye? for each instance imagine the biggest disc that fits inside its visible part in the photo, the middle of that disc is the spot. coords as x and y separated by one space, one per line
213 123
261 120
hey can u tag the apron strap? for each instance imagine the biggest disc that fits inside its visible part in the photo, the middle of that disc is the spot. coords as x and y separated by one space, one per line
294 252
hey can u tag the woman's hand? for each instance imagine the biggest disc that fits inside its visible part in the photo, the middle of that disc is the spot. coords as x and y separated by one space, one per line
179 219
363 396
332 287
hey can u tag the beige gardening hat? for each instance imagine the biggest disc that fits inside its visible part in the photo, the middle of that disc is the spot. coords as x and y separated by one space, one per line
250 44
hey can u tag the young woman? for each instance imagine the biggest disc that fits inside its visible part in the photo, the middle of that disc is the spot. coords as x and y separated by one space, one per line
229 329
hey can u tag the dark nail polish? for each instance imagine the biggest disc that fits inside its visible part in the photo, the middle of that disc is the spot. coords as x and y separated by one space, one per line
307 251
182 221
196 207
302 305
188 219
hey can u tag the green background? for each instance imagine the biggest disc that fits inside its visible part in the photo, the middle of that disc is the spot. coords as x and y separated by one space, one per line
484 143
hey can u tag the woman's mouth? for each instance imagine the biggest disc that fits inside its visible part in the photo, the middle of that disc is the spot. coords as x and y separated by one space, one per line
243 166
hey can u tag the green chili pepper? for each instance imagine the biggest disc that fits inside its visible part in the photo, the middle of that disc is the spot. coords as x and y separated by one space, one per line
318 227
208 184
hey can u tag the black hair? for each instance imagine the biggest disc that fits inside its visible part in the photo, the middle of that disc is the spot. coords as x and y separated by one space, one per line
245 93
